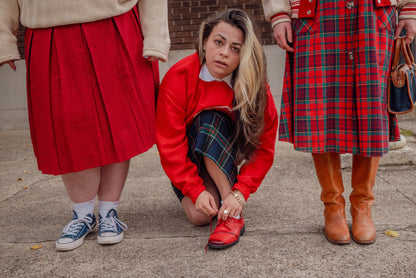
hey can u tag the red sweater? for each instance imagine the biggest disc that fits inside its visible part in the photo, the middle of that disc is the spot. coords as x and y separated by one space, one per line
182 95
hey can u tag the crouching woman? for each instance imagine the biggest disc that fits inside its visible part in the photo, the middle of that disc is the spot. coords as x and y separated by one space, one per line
216 125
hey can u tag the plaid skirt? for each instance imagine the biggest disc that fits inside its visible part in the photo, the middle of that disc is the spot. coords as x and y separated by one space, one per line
335 89
211 135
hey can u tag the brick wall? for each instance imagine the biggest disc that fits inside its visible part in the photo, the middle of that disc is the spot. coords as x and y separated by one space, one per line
186 16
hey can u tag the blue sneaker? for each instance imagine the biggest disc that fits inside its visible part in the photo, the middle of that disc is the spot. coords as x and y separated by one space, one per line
110 229
74 233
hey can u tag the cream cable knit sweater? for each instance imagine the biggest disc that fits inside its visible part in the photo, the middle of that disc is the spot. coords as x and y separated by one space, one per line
47 13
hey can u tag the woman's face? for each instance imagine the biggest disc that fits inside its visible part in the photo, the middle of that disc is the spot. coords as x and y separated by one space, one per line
222 49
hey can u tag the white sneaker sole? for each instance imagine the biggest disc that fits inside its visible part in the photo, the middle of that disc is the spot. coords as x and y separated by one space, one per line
110 239
70 245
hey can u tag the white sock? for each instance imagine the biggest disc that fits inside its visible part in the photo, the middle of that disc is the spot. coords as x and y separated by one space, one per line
85 208
106 206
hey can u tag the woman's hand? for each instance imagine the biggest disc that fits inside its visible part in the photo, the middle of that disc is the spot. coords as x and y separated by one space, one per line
205 203
10 63
230 208
151 58
410 25
282 33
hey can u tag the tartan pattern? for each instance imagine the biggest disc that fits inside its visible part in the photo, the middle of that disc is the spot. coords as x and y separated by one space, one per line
335 89
211 135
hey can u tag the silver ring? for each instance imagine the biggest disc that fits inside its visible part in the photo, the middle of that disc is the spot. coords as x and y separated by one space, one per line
226 211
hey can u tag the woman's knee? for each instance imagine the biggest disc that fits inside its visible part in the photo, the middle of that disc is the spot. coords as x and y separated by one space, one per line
198 219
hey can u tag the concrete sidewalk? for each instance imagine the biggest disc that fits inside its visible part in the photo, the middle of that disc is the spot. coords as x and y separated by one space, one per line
284 222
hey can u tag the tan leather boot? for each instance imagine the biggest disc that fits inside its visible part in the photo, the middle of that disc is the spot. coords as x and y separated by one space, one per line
364 170
328 170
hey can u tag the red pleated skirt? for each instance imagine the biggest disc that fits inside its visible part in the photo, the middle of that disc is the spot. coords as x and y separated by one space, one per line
91 94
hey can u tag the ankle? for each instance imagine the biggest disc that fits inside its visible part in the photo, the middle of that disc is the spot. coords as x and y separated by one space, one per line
106 206
85 208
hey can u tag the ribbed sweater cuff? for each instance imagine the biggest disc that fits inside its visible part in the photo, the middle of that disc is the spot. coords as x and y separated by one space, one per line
8 52
278 18
194 192
408 11
244 190
154 46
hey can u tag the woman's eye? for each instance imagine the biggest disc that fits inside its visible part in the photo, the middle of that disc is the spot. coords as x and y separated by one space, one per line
235 49
218 42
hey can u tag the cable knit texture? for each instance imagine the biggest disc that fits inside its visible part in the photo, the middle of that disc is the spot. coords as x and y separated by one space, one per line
46 13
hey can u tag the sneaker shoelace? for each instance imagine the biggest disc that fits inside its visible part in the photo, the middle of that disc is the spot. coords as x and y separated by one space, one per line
111 223
75 226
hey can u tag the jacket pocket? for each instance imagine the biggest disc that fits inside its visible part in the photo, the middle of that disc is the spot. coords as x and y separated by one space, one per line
303 25
386 18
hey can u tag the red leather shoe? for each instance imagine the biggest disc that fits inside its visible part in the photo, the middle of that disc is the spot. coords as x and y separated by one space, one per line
227 233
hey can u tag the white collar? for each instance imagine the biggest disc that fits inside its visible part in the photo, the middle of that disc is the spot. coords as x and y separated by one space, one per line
206 76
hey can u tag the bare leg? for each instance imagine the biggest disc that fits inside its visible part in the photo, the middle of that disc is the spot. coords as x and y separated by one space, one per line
218 176
196 217
107 181
113 178
82 186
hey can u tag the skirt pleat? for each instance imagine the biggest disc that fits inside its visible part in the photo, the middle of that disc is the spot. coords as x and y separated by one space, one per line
91 94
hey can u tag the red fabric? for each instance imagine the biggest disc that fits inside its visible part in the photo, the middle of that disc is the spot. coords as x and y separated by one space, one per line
91 95
277 15
180 99
334 95
409 9
382 3
307 8
280 16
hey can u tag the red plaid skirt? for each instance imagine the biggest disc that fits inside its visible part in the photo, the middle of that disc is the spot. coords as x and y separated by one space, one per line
334 95
91 94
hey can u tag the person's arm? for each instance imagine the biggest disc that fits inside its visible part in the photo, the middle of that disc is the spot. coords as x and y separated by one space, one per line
154 21
9 25
252 174
402 3
407 19
272 8
278 12
171 138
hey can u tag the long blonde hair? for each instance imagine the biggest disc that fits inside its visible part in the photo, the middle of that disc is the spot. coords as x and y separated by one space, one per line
249 81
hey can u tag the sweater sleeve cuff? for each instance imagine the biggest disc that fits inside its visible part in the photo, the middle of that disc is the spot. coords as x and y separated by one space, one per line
154 46
280 17
8 52
408 11
194 192
246 192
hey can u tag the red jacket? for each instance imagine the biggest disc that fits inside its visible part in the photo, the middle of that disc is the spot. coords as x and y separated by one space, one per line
182 95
